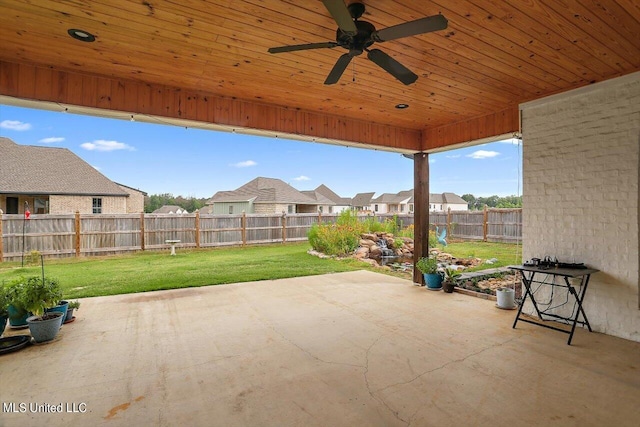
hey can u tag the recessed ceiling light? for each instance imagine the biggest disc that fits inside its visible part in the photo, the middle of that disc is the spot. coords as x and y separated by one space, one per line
402 106
83 36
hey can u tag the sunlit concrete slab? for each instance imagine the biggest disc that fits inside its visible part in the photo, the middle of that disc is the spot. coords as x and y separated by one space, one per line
348 349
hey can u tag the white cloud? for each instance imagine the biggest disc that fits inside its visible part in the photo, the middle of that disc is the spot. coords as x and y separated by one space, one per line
52 139
98 168
483 154
302 178
432 160
453 156
245 164
103 145
15 125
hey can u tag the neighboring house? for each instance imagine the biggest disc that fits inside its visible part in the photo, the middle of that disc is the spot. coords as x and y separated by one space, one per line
325 205
54 180
170 209
135 203
361 202
263 196
445 201
393 203
340 203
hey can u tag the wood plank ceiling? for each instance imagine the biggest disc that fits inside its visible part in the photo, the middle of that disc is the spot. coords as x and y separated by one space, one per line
493 55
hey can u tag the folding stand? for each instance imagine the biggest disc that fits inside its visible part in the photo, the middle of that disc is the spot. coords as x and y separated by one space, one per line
528 274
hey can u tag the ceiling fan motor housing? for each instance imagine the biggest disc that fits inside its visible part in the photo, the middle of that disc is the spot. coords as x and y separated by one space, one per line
357 43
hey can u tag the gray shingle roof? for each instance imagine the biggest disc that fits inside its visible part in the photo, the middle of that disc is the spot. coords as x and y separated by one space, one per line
26 169
453 198
329 194
318 197
264 190
362 199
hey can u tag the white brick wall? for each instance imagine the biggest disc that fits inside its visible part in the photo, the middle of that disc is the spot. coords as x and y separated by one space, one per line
580 196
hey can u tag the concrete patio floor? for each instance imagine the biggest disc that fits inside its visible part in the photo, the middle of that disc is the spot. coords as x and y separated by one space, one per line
348 349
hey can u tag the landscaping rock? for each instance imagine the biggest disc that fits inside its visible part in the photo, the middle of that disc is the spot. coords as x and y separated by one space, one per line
367 242
362 252
375 251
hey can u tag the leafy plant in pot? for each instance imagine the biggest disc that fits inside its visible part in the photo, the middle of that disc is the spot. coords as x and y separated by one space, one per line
16 312
449 282
37 295
428 266
4 308
73 305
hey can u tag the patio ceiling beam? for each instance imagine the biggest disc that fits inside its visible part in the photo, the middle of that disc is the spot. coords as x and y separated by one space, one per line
30 82
506 121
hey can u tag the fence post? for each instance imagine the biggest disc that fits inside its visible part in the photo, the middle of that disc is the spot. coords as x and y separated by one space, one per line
1 235
244 228
449 222
197 229
485 225
284 227
142 230
77 233
319 217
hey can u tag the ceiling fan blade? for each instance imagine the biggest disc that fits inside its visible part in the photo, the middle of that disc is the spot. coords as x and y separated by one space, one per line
296 47
338 69
412 28
392 66
341 15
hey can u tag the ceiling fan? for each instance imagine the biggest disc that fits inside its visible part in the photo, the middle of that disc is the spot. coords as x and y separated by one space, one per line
357 36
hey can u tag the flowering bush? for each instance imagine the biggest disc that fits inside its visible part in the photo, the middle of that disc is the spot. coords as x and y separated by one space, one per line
343 237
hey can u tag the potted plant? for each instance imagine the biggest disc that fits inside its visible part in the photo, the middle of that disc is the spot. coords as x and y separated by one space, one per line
449 282
73 305
61 306
428 266
4 306
36 296
16 311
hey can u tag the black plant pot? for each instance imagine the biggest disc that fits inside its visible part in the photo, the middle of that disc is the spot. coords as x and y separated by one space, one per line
448 286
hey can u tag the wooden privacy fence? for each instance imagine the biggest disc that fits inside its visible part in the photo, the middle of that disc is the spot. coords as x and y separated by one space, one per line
488 225
86 235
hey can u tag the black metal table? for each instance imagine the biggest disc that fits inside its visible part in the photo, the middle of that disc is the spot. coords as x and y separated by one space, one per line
529 273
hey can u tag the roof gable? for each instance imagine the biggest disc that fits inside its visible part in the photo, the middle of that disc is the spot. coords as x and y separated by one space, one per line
28 169
264 190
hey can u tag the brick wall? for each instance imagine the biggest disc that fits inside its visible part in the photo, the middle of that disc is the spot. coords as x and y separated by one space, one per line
580 195
84 204
135 201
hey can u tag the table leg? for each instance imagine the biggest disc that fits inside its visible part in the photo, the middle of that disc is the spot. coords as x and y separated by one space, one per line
527 287
579 298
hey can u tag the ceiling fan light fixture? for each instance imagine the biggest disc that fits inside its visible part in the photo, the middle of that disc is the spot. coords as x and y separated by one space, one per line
83 36
402 106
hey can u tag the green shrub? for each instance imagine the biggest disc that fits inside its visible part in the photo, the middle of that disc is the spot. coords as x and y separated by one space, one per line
340 238
427 265
35 295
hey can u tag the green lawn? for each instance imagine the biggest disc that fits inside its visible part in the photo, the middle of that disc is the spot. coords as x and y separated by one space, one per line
150 271
507 254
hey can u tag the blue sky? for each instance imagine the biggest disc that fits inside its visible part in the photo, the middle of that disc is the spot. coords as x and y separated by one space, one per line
192 162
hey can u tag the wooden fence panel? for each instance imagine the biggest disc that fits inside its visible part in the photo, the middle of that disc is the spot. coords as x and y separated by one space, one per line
109 233
467 225
264 228
161 227
504 225
220 230
299 225
51 235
